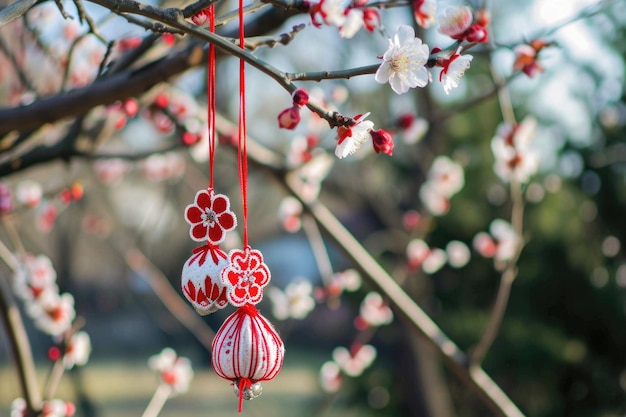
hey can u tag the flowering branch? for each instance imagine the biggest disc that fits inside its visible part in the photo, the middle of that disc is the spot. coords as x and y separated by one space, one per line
16 335
475 377
517 220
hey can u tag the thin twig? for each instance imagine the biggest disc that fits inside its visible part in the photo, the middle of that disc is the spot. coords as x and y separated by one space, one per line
161 394
319 248
517 221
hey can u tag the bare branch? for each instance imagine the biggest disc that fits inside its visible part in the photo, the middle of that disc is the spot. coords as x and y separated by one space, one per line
15 10
102 92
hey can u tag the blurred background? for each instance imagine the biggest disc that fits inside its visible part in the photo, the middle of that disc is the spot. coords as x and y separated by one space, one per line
118 241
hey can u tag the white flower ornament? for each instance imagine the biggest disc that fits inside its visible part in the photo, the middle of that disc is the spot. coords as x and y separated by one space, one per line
405 61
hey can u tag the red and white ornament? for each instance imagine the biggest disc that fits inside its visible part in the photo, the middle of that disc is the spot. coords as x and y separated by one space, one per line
245 276
247 350
210 217
201 282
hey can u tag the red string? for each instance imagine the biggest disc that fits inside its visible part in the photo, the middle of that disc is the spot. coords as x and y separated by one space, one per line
211 97
242 150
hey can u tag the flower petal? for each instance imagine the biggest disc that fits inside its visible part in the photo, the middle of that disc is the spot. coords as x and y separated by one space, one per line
220 203
203 199
198 232
216 234
193 214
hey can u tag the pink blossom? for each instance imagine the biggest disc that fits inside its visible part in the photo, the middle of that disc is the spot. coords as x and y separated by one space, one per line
330 377
332 12
412 128
458 23
174 371
514 158
34 277
111 171
296 301
435 260
526 57
46 216
161 167
77 350
49 408
458 254
53 313
424 12
29 193
455 20
354 363
6 199
445 179
374 311
371 19
289 212
289 118
502 242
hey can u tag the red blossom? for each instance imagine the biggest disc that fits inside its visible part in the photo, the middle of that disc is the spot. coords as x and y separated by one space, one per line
289 118
371 19
210 217
382 141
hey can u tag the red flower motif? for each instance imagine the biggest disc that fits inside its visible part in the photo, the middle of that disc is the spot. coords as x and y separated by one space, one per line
245 276
210 217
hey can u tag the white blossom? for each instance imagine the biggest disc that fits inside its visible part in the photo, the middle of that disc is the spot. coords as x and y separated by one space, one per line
174 371
454 70
404 62
351 138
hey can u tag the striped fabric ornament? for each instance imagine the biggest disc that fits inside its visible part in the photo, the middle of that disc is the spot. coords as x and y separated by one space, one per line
247 350
201 282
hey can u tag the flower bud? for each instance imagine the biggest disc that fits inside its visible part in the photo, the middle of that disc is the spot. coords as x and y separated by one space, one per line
300 97
382 141
289 118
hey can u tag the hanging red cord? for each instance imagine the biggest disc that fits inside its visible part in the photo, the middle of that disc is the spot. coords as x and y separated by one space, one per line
211 97
242 150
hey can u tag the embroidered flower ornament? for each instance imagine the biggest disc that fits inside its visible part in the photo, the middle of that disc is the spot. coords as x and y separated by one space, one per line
201 279
405 61
245 276
210 217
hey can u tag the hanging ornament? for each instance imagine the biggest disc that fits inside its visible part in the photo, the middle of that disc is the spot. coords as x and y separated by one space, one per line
201 282
245 276
210 217
247 350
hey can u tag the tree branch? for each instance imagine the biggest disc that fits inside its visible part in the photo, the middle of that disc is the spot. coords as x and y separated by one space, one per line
16 335
102 92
